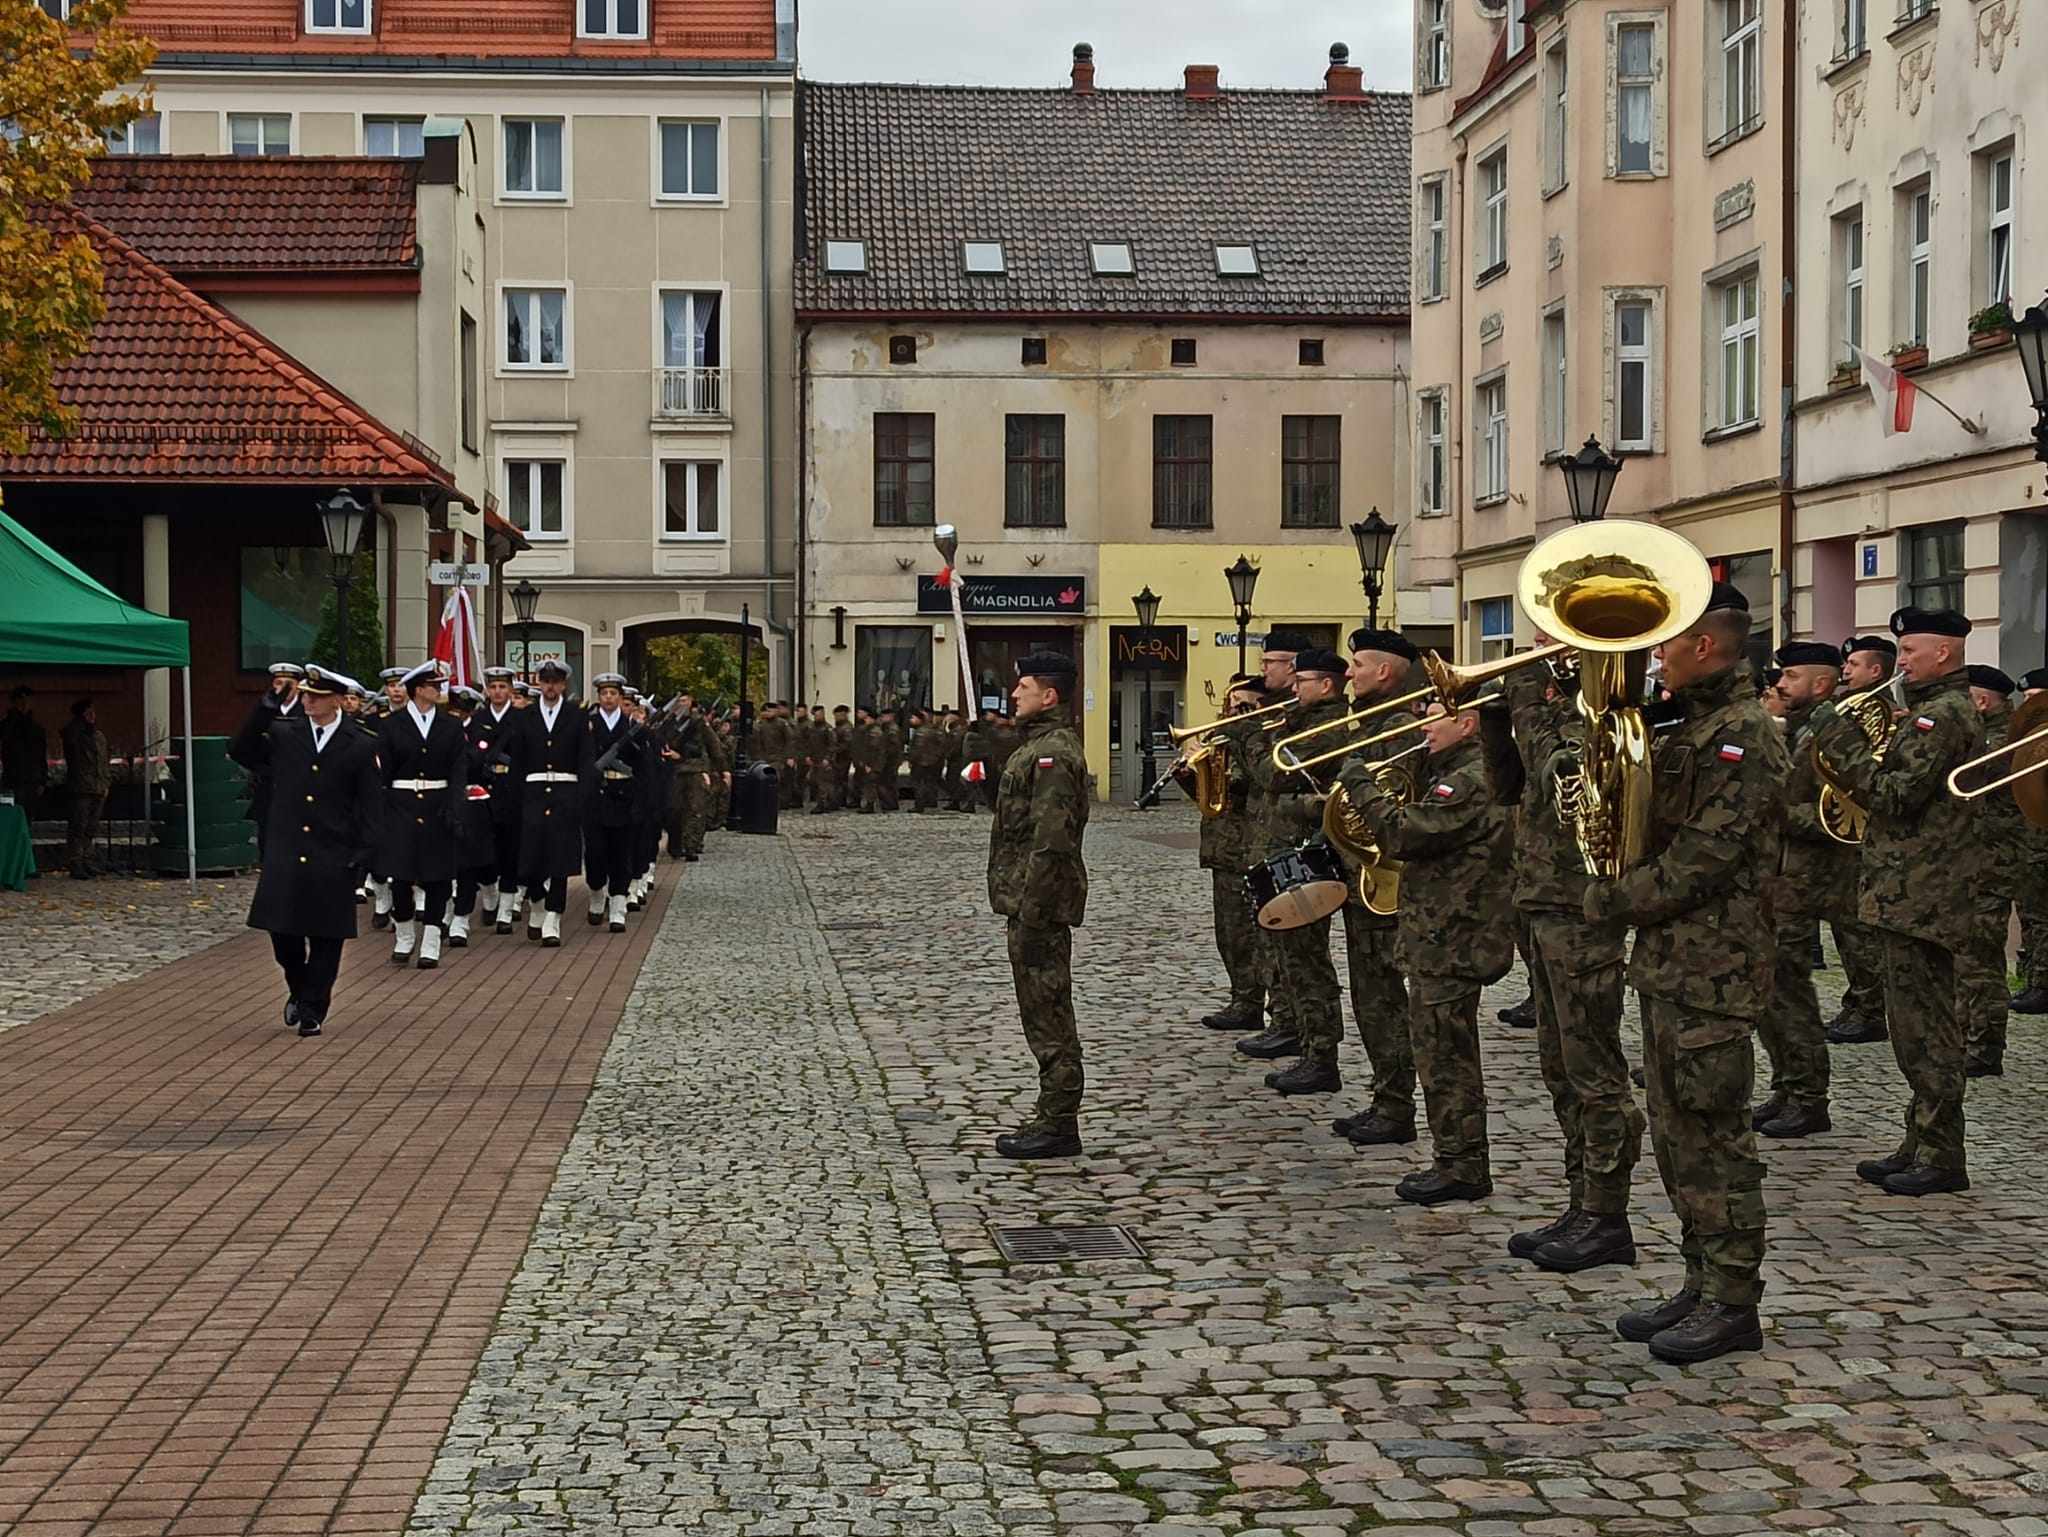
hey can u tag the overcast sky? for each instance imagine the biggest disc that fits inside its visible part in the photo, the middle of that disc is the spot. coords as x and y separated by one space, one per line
1137 42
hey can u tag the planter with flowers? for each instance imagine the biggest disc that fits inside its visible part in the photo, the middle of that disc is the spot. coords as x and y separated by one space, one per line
1991 327
1907 356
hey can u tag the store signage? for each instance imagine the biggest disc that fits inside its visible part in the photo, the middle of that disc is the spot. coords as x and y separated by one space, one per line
1131 646
1252 639
1022 596
443 573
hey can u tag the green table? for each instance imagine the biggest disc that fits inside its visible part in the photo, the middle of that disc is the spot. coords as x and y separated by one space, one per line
17 853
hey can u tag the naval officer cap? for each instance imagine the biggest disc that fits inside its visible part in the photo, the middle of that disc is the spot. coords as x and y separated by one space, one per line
1808 653
324 680
287 670
391 674
498 675
553 667
1930 621
615 680
1984 676
427 672
463 694
527 690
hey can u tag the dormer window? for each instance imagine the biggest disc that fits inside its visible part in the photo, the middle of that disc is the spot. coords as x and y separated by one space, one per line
983 257
1111 258
1237 261
338 16
613 18
846 256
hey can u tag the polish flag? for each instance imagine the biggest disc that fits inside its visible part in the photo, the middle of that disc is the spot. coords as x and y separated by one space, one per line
457 643
974 773
1893 392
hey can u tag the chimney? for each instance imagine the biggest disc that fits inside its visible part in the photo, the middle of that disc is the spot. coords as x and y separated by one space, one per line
1084 69
1343 81
1201 82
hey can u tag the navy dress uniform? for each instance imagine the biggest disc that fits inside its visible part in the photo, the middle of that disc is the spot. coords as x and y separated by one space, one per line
497 718
475 867
550 751
280 699
392 682
326 806
611 801
426 776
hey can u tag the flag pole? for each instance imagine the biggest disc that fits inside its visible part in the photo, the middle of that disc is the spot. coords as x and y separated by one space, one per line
947 541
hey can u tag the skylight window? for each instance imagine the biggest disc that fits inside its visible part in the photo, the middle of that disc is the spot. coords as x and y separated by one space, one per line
1111 258
1237 261
983 256
846 256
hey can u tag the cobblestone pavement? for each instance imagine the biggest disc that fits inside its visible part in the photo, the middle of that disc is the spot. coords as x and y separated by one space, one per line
65 940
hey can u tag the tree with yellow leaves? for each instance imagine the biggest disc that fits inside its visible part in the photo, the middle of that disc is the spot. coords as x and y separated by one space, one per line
61 93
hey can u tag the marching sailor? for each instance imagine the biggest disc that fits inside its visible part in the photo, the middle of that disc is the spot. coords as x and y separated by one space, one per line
611 801
375 713
475 870
425 761
549 752
494 723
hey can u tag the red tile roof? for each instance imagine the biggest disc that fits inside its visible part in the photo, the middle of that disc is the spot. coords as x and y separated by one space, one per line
255 213
1499 65
175 388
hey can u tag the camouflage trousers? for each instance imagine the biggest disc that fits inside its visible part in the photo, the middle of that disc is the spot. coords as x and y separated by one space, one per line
1700 1071
1927 1042
1981 995
1575 977
1280 1005
2034 946
1237 941
924 786
1443 1023
1041 967
686 816
1379 1003
1793 1036
824 796
1862 951
1308 981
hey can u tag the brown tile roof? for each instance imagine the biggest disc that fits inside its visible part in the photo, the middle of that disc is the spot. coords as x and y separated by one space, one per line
175 388
259 213
1320 186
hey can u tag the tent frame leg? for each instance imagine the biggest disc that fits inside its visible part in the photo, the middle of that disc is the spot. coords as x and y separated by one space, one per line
191 813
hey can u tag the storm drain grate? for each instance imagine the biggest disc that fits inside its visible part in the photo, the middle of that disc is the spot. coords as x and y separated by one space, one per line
842 925
1049 1245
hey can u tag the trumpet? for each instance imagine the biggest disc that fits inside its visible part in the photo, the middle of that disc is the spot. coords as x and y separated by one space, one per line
1182 735
2029 749
1452 687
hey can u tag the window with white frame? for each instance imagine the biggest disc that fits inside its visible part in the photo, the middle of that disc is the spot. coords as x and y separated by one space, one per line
846 256
395 138
1556 82
536 328
1434 67
337 15
692 352
1913 10
260 133
1997 227
1849 277
56 10
689 160
1635 99
1634 374
1496 628
1739 360
1917 206
1855 29
1493 213
984 258
612 18
1740 98
144 136
1490 422
1555 398
1433 209
533 157
689 499
535 501
1111 258
1432 468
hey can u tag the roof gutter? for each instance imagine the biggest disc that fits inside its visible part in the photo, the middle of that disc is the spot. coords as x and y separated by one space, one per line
1102 317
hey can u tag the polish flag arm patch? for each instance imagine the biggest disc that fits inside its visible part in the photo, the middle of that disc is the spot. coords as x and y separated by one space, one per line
1922 723
1045 763
1444 792
1730 753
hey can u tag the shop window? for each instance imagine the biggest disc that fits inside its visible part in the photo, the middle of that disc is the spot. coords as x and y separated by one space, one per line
284 590
892 666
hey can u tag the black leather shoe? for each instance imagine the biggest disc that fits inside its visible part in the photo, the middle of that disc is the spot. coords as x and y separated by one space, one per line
1039 1142
1341 1127
1306 1077
1635 1076
1378 1131
1798 1121
1985 1067
1857 1032
1524 1245
1925 1179
2030 1000
1271 1043
1592 1241
1645 1324
1223 1019
308 1028
1877 1170
1433 1187
1709 1330
291 1012
1769 1110
380 920
1521 1015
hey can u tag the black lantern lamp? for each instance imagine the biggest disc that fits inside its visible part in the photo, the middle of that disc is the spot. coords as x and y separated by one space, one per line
525 601
341 525
1375 540
1147 605
1589 477
1243 578
2030 333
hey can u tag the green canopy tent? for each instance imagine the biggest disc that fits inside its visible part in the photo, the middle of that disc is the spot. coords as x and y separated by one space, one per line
57 616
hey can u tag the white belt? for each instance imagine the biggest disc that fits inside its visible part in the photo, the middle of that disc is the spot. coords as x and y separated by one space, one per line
419 784
551 778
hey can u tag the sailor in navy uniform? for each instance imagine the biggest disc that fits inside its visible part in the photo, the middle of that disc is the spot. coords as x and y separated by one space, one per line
279 702
497 867
550 753
612 801
379 710
475 853
426 774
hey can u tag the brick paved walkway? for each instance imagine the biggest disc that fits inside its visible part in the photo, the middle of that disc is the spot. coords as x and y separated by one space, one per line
244 1278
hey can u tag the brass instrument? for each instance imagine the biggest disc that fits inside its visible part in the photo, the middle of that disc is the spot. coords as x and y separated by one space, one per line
1181 735
2027 743
1871 713
1378 882
1452 687
1202 767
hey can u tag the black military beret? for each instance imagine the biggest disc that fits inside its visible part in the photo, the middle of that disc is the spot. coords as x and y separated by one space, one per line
2034 677
1393 642
1879 643
1727 596
1319 659
1985 676
1286 640
1046 664
1930 621
1808 653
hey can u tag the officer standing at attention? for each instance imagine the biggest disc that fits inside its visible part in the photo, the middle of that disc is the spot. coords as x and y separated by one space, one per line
610 801
928 748
1038 880
278 702
1702 966
1867 662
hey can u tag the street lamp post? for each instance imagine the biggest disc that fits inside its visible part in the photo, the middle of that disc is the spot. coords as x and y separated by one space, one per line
1243 577
1589 477
1375 539
341 524
1147 605
2030 332
525 601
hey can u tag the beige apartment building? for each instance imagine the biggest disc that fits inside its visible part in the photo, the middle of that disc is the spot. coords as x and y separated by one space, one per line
631 339
1598 251
1920 231
1117 338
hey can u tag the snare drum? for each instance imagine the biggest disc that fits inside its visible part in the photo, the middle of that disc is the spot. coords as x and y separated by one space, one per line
1297 887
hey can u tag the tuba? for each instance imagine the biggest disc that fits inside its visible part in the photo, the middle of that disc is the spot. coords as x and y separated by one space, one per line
1871 713
1378 882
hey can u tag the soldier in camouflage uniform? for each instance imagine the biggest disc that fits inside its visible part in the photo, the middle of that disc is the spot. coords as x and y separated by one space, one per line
1917 885
866 749
1225 854
1456 933
2032 998
1867 663
1039 882
928 749
1575 982
889 764
1002 741
1702 965
1280 1038
768 743
1817 880
1981 995
974 748
828 779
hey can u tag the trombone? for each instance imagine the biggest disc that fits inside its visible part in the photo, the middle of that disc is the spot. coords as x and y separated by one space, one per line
1452 687
1183 735
2025 749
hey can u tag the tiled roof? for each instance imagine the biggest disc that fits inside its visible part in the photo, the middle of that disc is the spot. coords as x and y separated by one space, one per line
456 32
1501 63
175 388
260 213
1319 185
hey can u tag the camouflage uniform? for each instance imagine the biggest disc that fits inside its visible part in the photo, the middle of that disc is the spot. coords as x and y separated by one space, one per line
701 755
1379 996
973 749
1456 933
1702 964
845 792
824 761
1002 741
1862 951
1916 885
888 768
1039 882
1225 853
1981 995
768 743
867 751
1817 880
1575 968
928 751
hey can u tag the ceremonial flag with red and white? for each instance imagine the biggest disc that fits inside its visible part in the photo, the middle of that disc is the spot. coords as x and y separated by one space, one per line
975 772
1893 392
457 645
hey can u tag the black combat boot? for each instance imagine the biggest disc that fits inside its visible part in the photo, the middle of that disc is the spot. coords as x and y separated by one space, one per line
1595 1239
1876 1171
1433 1187
1521 1015
1848 1030
1270 1043
1375 1130
1709 1330
1040 1141
1341 1127
1769 1110
1524 1245
1798 1121
1635 1076
2030 1000
1925 1179
1306 1077
1987 1066
1230 1019
1645 1324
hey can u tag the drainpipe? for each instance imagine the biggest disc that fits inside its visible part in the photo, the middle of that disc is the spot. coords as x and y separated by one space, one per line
1455 396
1788 334
389 522
803 514
768 412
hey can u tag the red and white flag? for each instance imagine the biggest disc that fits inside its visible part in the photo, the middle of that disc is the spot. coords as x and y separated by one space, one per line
457 645
975 772
1893 392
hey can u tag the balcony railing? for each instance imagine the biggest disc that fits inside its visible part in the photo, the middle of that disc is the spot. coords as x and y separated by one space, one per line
690 392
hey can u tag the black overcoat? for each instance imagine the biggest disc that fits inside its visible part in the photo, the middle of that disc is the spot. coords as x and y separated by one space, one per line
615 791
325 811
551 827
418 844
498 771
